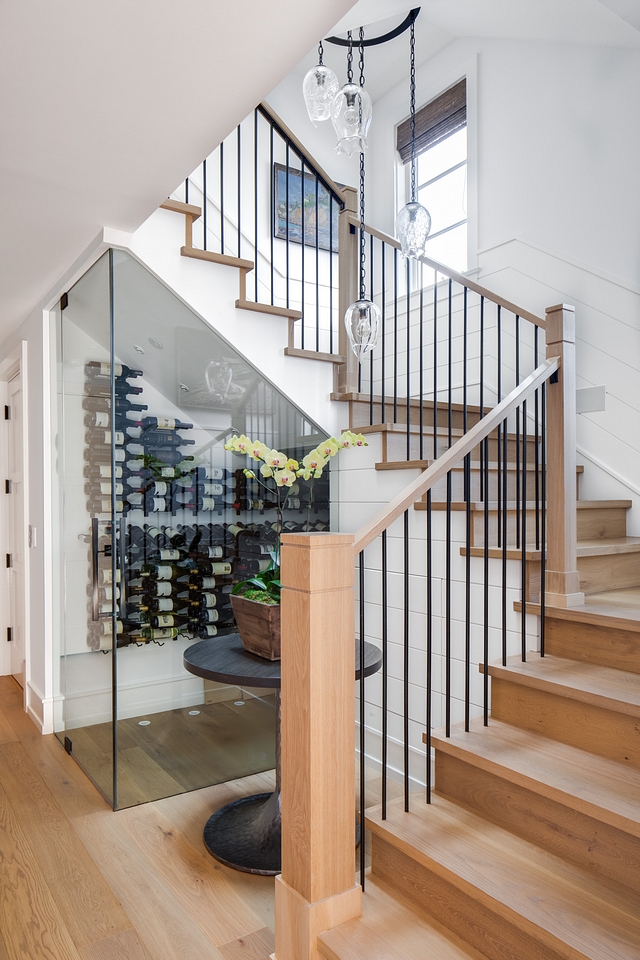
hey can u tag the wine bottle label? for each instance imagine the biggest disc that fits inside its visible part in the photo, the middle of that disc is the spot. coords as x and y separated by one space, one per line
210 630
234 529
164 588
210 616
102 418
213 489
213 553
168 472
163 633
293 503
165 620
164 572
154 532
164 604
208 503
105 469
120 456
169 554
208 583
221 569
213 473
160 489
159 505
166 423
209 600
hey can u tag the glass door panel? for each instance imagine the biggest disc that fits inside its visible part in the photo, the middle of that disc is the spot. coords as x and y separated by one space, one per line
85 450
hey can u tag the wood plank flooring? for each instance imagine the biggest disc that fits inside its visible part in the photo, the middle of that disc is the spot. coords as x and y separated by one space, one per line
80 882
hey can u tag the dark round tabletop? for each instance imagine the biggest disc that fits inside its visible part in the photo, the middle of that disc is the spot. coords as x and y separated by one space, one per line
225 660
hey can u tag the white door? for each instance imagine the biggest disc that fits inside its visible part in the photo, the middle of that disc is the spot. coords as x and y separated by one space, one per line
15 528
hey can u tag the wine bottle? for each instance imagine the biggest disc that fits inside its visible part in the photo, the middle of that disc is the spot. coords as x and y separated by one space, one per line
249 565
211 568
101 471
98 368
165 423
212 473
103 505
162 633
105 575
214 615
102 388
166 620
105 593
163 571
100 437
99 418
91 454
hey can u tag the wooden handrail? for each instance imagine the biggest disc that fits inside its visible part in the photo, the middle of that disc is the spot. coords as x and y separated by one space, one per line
304 154
439 469
453 275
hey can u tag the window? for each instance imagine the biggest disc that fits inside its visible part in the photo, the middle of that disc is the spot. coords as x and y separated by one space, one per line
441 172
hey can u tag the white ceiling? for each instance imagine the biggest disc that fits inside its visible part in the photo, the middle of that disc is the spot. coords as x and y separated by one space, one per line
106 107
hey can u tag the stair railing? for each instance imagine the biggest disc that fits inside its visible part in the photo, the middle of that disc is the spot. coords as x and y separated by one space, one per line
316 890
269 208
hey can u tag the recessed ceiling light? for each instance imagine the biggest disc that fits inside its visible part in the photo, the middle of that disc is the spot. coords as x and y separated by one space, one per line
156 343
194 713
238 703
144 723
138 348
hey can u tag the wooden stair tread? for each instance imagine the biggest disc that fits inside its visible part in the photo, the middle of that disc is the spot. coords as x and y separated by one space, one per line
604 687
314 355
616 609
195 254
594 785
391 927
177 206
604 504
608 546
268 308
402 401
424 464
562 905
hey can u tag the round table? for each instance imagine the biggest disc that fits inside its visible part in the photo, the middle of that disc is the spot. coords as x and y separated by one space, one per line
245 834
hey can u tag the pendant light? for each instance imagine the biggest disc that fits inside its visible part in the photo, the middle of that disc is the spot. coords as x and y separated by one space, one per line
413 223
362 318
319 88
351 108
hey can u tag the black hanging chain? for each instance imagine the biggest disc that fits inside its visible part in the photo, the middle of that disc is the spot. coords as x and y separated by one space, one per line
320 54
350 58
412 92
363 248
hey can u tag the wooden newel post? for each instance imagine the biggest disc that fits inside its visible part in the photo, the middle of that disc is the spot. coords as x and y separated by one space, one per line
316 890
346 374
562 578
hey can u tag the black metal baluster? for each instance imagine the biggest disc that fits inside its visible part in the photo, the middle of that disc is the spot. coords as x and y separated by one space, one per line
536 451
485 677
383 282
286 175
385 676
543 511
395 335
255 200
303 250
408 359
317 275
239 181
421 362
450 366
505 531
517 499
186 190
362 723
499 505
204 204
273 211
222 198
371 294
482 445
467 497
405 670
524 531
448 611
429 645
435 366
330 272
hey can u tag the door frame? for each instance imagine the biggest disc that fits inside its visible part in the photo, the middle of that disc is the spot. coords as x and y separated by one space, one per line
14 364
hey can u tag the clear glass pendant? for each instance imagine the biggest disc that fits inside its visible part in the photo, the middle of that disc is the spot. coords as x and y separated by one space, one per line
319 88
413 224
362 321
351 116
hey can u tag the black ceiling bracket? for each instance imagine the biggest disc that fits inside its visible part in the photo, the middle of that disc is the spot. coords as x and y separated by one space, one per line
374 41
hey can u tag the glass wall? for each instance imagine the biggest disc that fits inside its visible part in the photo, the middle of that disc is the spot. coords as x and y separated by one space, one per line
157 523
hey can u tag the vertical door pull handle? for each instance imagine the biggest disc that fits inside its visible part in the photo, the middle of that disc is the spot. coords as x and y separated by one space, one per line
7 486
9 634
9 560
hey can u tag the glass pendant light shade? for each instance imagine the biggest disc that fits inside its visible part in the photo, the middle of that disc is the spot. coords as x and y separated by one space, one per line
351 116
413 224
319 88
362 321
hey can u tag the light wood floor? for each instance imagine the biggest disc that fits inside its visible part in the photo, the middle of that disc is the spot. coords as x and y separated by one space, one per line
79 882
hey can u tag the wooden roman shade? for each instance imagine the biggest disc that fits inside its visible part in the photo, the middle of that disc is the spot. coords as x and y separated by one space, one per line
435 121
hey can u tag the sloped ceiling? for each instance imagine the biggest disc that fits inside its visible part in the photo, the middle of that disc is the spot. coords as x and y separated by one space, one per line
106 107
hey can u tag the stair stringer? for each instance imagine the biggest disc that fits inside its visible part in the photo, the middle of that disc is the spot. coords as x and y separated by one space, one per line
211 291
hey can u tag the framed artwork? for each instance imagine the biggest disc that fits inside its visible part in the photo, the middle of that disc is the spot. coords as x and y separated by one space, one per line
300 198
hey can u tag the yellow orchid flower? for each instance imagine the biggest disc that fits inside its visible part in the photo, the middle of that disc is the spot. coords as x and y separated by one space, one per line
241 444
275 459
314 460
284 478
266 470
258 450
328 448
292 465
249 474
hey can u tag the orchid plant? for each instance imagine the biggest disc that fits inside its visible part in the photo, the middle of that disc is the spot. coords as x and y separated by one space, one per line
284 471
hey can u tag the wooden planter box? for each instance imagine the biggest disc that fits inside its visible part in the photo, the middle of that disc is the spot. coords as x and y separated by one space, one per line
258 626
